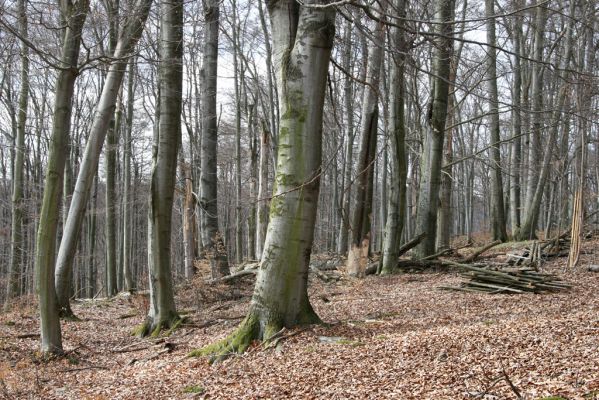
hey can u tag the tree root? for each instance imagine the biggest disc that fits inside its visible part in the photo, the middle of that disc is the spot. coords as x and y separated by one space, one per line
153 327
251 329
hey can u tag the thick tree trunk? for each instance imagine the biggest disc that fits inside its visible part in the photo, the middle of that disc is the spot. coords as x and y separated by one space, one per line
430 165
212 238
303 38
397 196
498 220
89 164
17 243
50 212
361 232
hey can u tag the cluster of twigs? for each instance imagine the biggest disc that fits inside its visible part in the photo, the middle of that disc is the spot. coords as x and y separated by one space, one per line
507 280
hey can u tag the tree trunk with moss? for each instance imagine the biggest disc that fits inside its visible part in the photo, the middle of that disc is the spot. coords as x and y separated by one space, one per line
131 33
303 39
163 313
51 337
212 238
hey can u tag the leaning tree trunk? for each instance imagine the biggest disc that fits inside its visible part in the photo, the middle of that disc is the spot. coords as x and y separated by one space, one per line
303 39
17 244
89 164
430 165
498 211
361 229
163 313
212 239
396 210
50 212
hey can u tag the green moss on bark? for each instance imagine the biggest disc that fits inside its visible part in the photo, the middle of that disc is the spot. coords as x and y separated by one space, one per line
152 327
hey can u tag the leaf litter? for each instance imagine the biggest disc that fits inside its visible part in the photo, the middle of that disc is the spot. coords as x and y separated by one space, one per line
394 337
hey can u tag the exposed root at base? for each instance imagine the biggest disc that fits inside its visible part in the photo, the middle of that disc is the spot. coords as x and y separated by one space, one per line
152 327
249 330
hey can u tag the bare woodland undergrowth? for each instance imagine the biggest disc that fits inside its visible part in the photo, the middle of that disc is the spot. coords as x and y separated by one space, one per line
396 337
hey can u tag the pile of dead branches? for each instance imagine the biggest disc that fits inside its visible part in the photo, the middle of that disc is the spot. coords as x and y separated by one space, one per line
507 280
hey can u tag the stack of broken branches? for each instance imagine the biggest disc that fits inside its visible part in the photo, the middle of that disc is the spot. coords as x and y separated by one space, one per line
507 280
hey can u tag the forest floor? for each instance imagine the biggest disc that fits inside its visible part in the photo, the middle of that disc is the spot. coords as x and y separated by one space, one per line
396 337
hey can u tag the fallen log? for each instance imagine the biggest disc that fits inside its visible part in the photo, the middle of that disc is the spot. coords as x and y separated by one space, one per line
232 277
477 253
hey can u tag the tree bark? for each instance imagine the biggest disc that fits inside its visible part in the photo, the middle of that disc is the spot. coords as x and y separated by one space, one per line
51 336
397 196
131 33
15 268
430 165
303 39
212 238
498 225
361 229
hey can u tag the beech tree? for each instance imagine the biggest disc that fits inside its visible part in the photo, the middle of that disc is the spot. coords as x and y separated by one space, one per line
302 42
75 14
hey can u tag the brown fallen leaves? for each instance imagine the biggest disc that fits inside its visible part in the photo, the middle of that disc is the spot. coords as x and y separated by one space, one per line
394 337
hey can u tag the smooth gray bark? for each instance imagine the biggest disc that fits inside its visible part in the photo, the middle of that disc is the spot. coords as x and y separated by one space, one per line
303 39
131 33
163 313
51 337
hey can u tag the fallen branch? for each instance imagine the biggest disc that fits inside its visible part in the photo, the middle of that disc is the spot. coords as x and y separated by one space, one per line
232 277
84 368
477 253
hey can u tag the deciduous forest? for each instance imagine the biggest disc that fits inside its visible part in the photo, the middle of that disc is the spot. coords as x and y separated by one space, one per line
299 199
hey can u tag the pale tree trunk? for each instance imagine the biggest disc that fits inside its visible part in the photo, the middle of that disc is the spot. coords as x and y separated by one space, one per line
253 164
303 39
212 238
129 282
272 98
361 229
51 337
529 223
430 165
17 243
349 144
396 210
89 164
498 225
189 222
262 209
163 313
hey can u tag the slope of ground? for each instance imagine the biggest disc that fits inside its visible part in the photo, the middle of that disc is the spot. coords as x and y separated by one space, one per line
388 337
